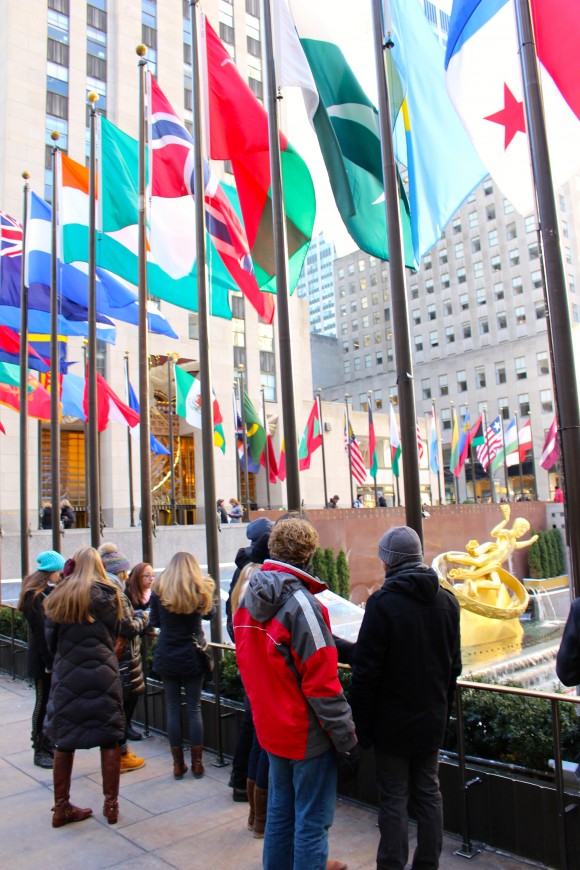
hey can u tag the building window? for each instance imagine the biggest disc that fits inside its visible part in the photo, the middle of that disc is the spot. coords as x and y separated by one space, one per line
426 388
514 256
466 329
498 291
524 404
540 308
368 361
416 314
530 223
456 225
542 363
447 308
345 346
500 373
520 314
496 264
434 338
445 419
418 343
480 377
492 238
459 253
461 276
478 269
449 334
357 363
517 286
346 366
431 312
379 357
488 187
481 296
504 409
476 245
445 283
429 286
534 250
193 326
521 370
546 401
464 302
483 326
461 382
443 385
490 212
443 256
502 320
537 282
472 220
56 105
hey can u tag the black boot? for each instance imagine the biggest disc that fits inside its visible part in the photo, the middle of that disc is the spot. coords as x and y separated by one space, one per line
42 757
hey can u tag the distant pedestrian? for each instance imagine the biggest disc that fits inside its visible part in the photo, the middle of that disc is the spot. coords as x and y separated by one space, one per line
382 502
236 511
67 515
46 516
358 502
333 502
222 512
558 495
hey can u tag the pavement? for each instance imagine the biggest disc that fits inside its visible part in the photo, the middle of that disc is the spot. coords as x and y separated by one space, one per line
187 824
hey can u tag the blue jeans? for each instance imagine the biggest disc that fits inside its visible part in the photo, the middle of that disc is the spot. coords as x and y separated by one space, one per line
409 781
301 798
172 686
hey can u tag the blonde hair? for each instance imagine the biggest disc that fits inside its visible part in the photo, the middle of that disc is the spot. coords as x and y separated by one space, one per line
182 588
242 584
70 601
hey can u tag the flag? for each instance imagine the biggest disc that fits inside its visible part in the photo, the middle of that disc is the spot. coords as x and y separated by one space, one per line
238 131
253 467
109 406
489 97
359 471
510 444
550 450
10 351
272 464
419 442
38 399
10 236
2 429
433 445
72 393
255 434
524 443
474 438
311 439
282 462
493 442
188 405
454 457
155 445
173 213
346 123
395 441
463 445
373 460
430 141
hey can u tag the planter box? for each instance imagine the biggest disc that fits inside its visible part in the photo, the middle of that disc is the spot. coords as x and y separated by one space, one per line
13 663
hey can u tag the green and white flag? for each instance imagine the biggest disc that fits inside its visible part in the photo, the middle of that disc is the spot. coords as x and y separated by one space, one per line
188 405
395 442
346 124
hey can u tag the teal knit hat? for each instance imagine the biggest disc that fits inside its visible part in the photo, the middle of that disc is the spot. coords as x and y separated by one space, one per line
50 561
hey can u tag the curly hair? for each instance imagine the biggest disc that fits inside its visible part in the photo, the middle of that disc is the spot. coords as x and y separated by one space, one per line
293 540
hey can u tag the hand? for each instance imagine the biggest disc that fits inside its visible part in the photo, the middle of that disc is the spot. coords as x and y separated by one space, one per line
347 764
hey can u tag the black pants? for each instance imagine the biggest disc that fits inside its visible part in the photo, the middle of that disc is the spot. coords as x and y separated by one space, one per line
42 688
243 748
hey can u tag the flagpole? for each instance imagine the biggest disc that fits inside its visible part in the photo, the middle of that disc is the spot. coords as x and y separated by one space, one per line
170 364
24 526
563 372
268 502
489 468
54 363
143 335
439 471
519 460
533 461
472 461
91 374
455 480
319 401
281 262
238 463
403 357
130 452
244 438
370 395
346 398
207 422
505 471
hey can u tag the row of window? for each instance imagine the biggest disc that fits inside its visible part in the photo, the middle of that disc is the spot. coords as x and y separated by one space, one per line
501 377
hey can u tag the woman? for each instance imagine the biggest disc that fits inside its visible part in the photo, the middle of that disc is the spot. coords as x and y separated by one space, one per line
236 512
138 586
222 512
181 596
67 515
35 589
85 708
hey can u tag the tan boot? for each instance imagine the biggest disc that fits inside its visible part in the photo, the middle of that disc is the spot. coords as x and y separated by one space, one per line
196 764
250 789
336 865
111 770
179 765
260 810
63 812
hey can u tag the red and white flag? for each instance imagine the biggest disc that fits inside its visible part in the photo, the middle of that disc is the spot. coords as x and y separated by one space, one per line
419 443
487 451
109 406
359 471
551 451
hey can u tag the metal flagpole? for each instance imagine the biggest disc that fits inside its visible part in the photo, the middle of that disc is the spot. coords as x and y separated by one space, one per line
92 422
170 364
489 468
440 469
403 356
533 461
370 395
268 501
519 460
473 481
207 435
563 372
54 363
238 463
455 478
347 436
24 529
245 438
130 453
505 471
144 421
281 262
319 401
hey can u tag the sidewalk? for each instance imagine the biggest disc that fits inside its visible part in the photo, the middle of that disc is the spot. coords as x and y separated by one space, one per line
190 824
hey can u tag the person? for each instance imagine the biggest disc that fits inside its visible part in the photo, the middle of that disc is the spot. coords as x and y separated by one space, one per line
236 511
358 502
35 589
222 512
288 663
406 663
138 585
333 502
46 516
558 495
382 502
128 649
67 515
180 597
85 707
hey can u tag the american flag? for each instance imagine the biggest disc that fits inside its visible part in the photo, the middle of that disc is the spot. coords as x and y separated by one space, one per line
359 471
419 443
10 236
487 451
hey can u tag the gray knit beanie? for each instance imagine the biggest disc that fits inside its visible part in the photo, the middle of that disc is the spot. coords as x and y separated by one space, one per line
399 544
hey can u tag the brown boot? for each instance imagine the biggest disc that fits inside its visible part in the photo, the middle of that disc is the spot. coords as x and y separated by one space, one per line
336 865
250 789
63 811
260 809
196 765
111 770
179 765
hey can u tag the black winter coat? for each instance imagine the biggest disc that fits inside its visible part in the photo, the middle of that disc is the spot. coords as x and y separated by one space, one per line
39 657
85 707
406 663
175 653
568 659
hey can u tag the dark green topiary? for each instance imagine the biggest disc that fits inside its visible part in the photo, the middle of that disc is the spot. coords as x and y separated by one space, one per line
319 564
343 575
331 578
20 624
546 555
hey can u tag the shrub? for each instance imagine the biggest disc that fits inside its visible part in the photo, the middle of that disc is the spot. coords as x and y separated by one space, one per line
546 555
319 564
331 578
343 575
20 624
230 681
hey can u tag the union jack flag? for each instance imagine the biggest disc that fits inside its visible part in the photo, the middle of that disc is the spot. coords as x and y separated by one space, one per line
10 236
173 176
359 471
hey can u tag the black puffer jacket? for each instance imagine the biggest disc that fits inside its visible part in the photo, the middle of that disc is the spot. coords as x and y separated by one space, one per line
175 653
406 662
85 708
39 658
568 660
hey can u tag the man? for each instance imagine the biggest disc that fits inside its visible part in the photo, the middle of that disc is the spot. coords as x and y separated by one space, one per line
406 663
288 663
333 502
382 502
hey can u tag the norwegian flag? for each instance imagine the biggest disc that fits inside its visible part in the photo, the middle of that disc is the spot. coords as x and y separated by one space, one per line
487 451
10 236
173 178
419 443
359 471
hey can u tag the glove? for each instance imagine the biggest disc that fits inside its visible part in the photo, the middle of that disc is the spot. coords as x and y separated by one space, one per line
347 764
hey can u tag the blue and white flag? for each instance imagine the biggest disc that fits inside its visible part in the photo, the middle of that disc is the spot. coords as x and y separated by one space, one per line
433 445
